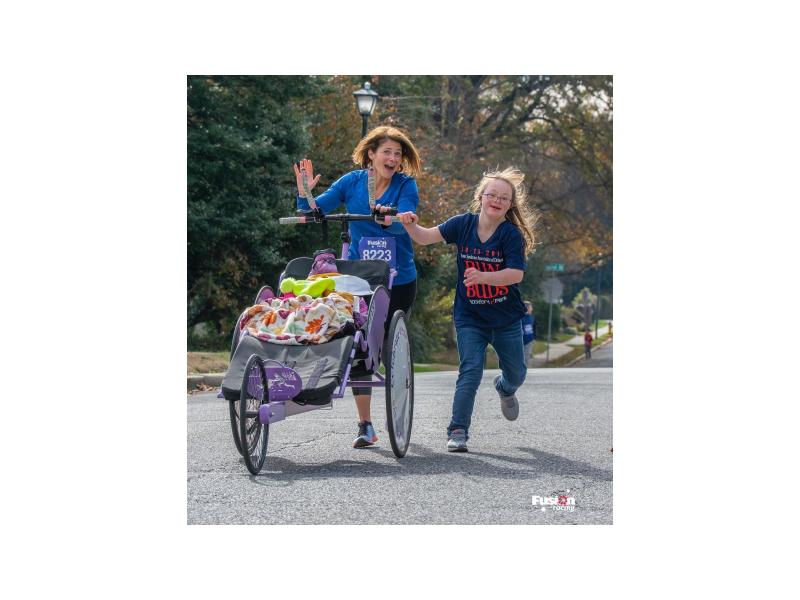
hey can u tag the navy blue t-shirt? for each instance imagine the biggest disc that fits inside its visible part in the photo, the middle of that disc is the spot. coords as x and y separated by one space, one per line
485 305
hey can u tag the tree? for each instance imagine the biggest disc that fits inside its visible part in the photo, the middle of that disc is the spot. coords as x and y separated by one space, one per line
243 135
558 130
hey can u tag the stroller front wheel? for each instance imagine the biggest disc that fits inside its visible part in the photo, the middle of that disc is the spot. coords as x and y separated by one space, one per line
253 435
233 412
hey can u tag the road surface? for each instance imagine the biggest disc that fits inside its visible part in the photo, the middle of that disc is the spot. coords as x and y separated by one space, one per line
560 446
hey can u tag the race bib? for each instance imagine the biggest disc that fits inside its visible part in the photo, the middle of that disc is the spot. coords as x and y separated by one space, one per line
378 248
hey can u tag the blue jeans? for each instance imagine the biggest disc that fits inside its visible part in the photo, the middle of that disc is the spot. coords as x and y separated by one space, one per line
472 342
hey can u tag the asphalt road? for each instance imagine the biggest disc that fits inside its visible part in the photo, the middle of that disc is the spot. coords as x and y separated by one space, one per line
560 446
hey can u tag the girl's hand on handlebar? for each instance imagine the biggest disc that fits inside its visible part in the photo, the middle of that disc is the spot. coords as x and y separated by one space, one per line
407 218
309 168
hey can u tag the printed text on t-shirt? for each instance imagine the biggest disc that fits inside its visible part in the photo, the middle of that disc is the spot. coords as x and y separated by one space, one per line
486 262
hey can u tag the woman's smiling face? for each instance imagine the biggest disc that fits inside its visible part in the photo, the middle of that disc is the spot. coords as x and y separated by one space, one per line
496 198
387 159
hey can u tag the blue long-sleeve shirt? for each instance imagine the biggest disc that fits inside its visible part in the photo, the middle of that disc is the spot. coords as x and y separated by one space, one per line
351 190
528 328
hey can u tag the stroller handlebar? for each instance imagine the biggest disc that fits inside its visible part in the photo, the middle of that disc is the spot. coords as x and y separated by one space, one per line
382 219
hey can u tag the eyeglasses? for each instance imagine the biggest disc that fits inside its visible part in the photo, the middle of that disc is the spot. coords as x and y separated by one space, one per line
503 199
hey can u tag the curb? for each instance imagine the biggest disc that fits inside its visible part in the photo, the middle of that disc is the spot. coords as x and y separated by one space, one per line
204 379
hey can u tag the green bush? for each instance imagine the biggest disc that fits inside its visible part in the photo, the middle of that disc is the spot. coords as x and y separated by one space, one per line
541 309
431 325
204 337
606 307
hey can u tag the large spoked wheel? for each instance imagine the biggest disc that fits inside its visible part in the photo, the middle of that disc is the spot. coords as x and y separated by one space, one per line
399 384
253 435
233 405
233 410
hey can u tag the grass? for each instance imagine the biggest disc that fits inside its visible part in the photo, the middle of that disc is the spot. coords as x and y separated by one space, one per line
206 362
555 338
432 367
567 358
540 345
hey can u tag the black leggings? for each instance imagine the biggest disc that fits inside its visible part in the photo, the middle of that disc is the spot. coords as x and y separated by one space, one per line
401 298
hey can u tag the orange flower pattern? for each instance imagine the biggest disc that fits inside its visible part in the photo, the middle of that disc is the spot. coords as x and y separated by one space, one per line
314 326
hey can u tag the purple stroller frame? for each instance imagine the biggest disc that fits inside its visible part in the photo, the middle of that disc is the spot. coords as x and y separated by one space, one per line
273 385
284 383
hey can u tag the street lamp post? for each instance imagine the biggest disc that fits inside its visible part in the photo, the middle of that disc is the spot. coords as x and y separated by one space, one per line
366 99
597 308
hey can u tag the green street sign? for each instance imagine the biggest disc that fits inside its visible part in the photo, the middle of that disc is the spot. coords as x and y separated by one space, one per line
554 267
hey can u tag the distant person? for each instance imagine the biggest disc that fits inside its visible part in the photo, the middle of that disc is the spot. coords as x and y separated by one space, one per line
528 333
610 329
492 241
587 344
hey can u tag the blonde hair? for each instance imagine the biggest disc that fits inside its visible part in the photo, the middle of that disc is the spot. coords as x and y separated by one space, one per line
410 164
523 216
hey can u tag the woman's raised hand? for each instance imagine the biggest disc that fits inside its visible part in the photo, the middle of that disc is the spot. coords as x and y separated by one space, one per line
309 169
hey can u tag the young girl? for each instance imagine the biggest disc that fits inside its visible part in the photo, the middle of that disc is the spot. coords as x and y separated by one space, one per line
492 242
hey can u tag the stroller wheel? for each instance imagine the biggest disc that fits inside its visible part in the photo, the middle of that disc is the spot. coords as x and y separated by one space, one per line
233 411
399 385
253 435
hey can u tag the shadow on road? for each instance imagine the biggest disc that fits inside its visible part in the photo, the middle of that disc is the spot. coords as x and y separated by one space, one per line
422 461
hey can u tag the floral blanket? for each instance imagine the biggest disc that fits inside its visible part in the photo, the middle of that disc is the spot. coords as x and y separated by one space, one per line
299 320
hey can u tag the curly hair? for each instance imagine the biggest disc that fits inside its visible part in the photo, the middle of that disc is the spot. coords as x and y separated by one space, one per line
520 213
410 164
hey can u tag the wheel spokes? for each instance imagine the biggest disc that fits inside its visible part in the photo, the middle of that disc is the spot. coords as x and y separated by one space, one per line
253 433
400 386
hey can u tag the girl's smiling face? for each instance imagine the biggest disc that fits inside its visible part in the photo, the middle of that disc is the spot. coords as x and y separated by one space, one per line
387 159
496 199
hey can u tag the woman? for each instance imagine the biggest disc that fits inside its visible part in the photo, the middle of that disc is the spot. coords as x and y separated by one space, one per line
395 162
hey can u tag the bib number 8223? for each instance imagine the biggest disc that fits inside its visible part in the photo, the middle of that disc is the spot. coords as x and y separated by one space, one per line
378 248
377 255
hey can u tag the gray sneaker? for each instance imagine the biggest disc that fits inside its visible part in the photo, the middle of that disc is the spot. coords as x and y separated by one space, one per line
457 441
508 404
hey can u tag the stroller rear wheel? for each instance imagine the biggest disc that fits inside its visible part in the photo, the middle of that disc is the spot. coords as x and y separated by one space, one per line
399 384
253 435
